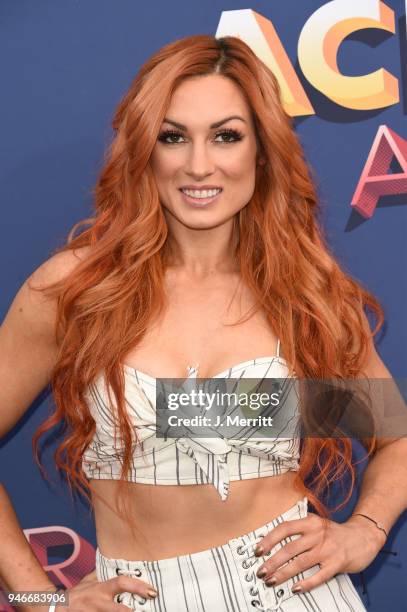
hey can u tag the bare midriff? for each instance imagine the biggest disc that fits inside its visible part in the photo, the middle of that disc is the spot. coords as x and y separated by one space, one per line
173 520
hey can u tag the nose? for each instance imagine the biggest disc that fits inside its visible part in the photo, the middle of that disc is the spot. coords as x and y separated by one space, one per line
199 162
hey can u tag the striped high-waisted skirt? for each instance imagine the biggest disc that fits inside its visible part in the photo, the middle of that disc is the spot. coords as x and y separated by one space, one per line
223 579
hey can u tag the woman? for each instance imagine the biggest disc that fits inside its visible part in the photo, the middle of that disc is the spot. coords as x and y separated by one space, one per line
204 258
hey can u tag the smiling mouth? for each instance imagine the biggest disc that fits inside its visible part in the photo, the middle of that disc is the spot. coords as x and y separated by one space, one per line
200 197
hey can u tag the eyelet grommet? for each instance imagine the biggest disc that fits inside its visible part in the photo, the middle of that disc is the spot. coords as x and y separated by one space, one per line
137 572
246 565
253 591
249 577
239 550
280 592
142 601
255 603
119 599
118 571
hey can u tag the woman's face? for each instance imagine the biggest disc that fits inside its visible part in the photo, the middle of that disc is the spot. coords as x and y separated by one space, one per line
204 161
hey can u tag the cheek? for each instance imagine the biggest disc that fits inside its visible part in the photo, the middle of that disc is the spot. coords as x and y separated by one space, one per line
165 166
242 166
241 159
241 178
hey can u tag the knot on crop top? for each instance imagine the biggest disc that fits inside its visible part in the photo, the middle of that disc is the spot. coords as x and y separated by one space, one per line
179 461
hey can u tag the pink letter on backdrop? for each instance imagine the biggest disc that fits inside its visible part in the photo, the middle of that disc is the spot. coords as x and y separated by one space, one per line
73 569
68 572
375 180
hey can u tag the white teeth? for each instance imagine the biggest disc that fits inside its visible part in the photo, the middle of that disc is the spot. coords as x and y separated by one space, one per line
201 193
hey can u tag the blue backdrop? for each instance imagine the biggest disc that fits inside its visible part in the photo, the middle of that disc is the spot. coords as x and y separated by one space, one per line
64 67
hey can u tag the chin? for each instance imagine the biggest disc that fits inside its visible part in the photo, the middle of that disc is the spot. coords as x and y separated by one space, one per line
196 217
202 223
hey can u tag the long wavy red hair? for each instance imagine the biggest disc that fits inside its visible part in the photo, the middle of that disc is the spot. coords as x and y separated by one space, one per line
105 305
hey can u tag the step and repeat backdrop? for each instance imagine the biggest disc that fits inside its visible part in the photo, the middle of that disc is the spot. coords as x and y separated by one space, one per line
342 67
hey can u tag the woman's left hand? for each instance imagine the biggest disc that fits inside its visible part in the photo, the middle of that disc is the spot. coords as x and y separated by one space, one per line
341 547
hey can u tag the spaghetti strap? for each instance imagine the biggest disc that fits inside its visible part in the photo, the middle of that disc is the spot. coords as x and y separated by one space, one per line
278 347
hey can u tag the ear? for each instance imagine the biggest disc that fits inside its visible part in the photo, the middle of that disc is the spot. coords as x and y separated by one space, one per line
261 161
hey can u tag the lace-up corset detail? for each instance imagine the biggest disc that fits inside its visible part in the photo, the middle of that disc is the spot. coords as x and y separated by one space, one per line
249 560
182 461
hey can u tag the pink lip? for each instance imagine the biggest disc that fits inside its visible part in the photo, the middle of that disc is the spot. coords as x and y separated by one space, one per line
200 187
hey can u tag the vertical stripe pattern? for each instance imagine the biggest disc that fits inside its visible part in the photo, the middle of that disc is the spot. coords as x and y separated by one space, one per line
223 579
213 460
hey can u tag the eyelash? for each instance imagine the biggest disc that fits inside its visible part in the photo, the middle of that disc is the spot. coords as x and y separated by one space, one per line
230 132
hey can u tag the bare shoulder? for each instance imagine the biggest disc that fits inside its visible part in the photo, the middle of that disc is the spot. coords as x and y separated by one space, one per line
31 316
374 367
58 266
36 307
28 348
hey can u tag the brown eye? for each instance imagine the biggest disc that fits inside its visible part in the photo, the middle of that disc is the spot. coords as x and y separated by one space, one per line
229 136
170 137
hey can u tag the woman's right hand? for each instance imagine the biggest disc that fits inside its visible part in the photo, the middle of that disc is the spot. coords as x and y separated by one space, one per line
94 596
90 595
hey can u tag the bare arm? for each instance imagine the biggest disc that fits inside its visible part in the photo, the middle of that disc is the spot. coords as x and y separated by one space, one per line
27 356
19 568
383 494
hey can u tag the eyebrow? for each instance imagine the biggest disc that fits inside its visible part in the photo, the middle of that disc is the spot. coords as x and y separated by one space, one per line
217 124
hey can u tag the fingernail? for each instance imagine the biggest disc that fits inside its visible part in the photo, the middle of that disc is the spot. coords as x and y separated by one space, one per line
271 581
258 551
296 589
152 593
261 573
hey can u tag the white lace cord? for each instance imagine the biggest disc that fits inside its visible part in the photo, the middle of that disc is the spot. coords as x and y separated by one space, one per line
128 572
246 564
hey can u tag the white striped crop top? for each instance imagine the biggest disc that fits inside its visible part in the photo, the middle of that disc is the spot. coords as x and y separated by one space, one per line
183 461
